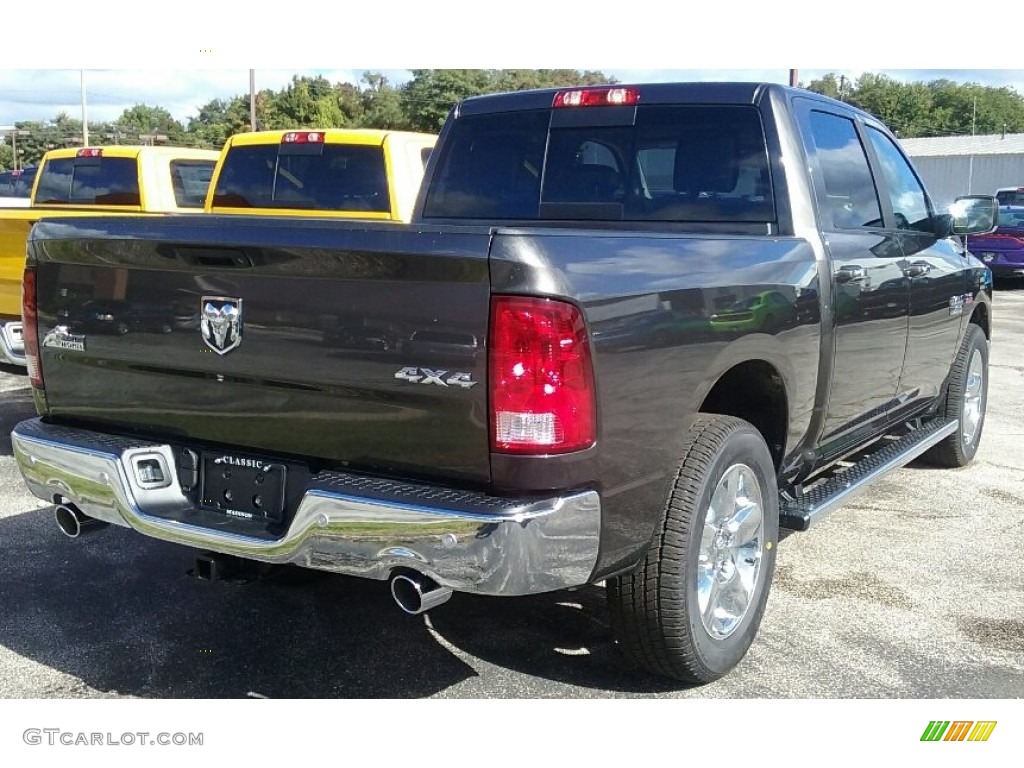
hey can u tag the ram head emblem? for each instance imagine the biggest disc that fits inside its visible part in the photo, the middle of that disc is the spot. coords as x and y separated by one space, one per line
221 323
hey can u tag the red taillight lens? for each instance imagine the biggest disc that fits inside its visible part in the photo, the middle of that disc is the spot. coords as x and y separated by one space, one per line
303 137
597 97
30 327
541 377
89 152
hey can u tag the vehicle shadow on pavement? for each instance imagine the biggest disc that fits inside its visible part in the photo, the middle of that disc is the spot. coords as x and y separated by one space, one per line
563 637
118 612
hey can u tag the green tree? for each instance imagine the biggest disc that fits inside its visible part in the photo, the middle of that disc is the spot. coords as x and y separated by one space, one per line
525 79
220 119
382 105
43 136
829 85
430 95
143 119
309 102
6 155
936 108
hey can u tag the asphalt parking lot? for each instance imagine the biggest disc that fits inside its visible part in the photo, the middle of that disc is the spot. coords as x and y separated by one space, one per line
916 590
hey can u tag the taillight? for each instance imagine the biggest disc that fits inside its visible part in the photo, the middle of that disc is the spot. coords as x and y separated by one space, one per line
597 97
30 327
303 137
89 152
541 377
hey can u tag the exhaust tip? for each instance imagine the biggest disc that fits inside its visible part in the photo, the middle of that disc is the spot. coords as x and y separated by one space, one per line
73 522
416 595
67 521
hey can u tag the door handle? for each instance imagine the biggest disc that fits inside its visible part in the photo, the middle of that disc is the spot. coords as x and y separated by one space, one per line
851 273
918 268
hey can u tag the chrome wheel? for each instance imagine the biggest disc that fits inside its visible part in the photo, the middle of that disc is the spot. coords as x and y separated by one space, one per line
731 548
974 396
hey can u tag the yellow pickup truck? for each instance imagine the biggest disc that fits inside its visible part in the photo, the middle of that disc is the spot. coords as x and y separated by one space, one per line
339 173
87 182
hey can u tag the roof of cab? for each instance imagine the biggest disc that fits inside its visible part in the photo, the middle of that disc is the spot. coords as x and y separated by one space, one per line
331 136
131 151
650 93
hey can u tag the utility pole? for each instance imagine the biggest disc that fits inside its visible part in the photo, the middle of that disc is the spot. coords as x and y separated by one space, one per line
252 99
793 80
85 116
14 133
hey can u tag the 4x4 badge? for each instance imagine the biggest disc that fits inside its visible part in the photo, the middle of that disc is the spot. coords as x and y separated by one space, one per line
221 323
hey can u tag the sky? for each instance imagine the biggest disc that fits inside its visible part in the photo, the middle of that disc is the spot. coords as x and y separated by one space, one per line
182 56
40 94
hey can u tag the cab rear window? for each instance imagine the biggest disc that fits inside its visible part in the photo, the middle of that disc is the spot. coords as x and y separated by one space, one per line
673 163
17 183
331 177
89 181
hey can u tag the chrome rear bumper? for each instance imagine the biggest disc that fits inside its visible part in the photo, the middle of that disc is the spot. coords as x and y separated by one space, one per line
12 345
466 541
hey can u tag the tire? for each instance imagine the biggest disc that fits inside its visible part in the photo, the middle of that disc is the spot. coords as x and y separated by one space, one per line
966 399
655 610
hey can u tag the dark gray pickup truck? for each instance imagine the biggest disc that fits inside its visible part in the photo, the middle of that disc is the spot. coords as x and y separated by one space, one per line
630 333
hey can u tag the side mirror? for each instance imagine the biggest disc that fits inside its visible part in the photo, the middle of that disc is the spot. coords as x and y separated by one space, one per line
974 215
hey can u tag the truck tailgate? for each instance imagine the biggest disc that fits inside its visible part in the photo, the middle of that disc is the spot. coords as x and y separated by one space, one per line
361 344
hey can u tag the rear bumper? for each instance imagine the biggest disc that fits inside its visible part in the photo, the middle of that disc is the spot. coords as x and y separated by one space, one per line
466 541
1003 263
12 345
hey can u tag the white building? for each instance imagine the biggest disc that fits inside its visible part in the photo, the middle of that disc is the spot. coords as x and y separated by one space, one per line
960 165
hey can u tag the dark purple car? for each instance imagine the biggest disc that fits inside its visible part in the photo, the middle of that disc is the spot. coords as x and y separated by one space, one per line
1003 249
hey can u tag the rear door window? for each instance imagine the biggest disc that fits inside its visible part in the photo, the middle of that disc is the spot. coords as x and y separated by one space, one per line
191 180
339 178
849 199
89 181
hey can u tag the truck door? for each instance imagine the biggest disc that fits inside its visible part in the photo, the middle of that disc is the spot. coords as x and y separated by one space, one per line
870 289
935 271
